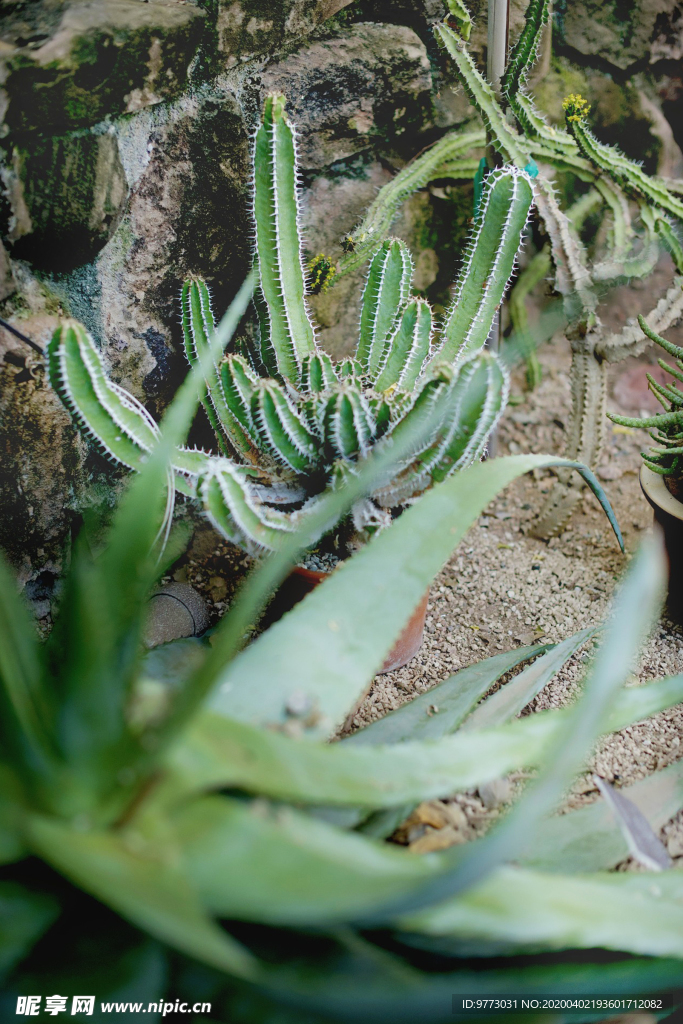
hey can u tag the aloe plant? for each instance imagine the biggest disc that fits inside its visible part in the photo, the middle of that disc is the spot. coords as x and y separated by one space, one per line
666 428
209 803
290 423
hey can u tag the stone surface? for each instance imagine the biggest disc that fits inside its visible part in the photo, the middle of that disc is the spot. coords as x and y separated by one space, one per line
70 64
46 468
624 34
249 28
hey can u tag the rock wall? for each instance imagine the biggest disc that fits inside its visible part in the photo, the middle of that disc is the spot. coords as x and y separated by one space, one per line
124 163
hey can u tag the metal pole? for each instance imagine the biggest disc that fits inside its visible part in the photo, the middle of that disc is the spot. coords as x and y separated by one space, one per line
497 51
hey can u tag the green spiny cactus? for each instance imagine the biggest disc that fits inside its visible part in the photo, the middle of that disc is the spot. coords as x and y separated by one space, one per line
631 251
290 423
666 428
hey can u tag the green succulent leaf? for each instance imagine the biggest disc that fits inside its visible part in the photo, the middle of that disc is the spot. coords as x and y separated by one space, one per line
628 912
454 699
147 886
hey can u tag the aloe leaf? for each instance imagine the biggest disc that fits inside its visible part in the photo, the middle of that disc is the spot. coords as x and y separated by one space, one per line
278 244
148 889
330 646
635 914
279 866
388 991
329 508
643 844
217 752
443 708
94 651
589 839
26 707
510 699
25 915
638 603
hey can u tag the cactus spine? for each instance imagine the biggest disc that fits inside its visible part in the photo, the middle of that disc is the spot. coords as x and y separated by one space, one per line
294 424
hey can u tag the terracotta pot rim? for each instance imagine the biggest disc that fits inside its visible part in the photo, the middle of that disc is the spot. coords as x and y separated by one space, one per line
658 494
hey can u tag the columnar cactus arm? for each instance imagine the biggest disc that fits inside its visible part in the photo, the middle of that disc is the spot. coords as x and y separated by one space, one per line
235 509
278 245
572 279
619 264
281 430
622 229
461 16
482 96
238 383
442 160
483 402
671 241
198 326
631 340
113 418
318 373
489 263
407 348
387 288
524 53
348 424
464 409
263 358
629 174
534 125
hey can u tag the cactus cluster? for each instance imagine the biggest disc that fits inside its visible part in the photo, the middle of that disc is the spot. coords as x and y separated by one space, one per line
290 423
521 136
666 428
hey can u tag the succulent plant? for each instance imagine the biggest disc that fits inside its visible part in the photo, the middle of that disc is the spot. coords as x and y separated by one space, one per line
221 822
290 422
520 135
666 428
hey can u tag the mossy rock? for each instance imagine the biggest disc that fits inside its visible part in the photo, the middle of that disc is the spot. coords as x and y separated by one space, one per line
69 65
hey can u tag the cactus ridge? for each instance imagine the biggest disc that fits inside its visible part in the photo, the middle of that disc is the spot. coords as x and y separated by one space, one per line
386 289
294 423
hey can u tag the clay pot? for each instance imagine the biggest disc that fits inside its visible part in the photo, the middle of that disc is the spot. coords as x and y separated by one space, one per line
668 512
302 581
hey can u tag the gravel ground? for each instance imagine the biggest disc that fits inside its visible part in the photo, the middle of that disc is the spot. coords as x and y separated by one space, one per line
504 588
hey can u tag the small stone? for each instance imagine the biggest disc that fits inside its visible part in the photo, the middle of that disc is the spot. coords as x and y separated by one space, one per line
494 794
298 704
674 844
437 839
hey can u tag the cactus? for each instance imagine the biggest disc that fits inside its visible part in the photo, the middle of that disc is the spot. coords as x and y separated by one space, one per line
666 428
632 250
290 423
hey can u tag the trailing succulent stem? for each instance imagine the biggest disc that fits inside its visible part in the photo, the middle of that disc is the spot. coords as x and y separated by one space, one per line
665 428
290 423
